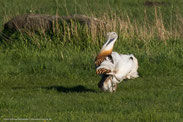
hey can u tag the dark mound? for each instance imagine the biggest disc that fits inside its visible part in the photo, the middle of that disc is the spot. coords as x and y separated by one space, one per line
43 22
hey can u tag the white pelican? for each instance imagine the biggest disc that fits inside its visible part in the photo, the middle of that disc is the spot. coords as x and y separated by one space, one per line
114 67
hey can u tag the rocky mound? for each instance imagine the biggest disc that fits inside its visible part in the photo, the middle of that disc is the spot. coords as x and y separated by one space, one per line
43 22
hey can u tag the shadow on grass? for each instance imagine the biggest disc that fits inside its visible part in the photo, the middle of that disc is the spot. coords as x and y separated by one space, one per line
78 88
63 89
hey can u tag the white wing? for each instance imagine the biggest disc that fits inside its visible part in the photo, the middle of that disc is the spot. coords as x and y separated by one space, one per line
109 63
125 68
120 66
133 73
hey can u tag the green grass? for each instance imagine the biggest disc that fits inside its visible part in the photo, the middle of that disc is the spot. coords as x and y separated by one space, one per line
43 77
40 96
41 84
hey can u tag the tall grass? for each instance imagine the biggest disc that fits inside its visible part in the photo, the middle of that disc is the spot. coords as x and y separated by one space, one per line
129 28
155 41
126 27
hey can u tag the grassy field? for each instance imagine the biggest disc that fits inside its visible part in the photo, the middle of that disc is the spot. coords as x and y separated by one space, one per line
53 78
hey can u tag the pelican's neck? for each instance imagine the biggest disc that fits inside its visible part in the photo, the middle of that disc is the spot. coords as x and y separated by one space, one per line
104 53
107 48
108 45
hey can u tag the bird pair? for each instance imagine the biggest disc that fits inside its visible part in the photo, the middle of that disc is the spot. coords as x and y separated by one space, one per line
114 67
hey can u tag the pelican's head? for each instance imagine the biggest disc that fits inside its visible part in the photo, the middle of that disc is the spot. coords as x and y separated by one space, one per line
108 46
111 39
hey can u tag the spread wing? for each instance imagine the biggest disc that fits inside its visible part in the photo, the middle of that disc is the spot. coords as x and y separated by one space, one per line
105 66
99 61
102 71
108 64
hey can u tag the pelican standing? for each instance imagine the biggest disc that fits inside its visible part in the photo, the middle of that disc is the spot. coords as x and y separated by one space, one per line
114 67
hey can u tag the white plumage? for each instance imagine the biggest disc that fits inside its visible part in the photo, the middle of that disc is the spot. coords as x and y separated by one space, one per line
115 67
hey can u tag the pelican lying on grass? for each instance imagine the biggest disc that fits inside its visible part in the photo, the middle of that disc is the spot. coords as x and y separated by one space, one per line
114 67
